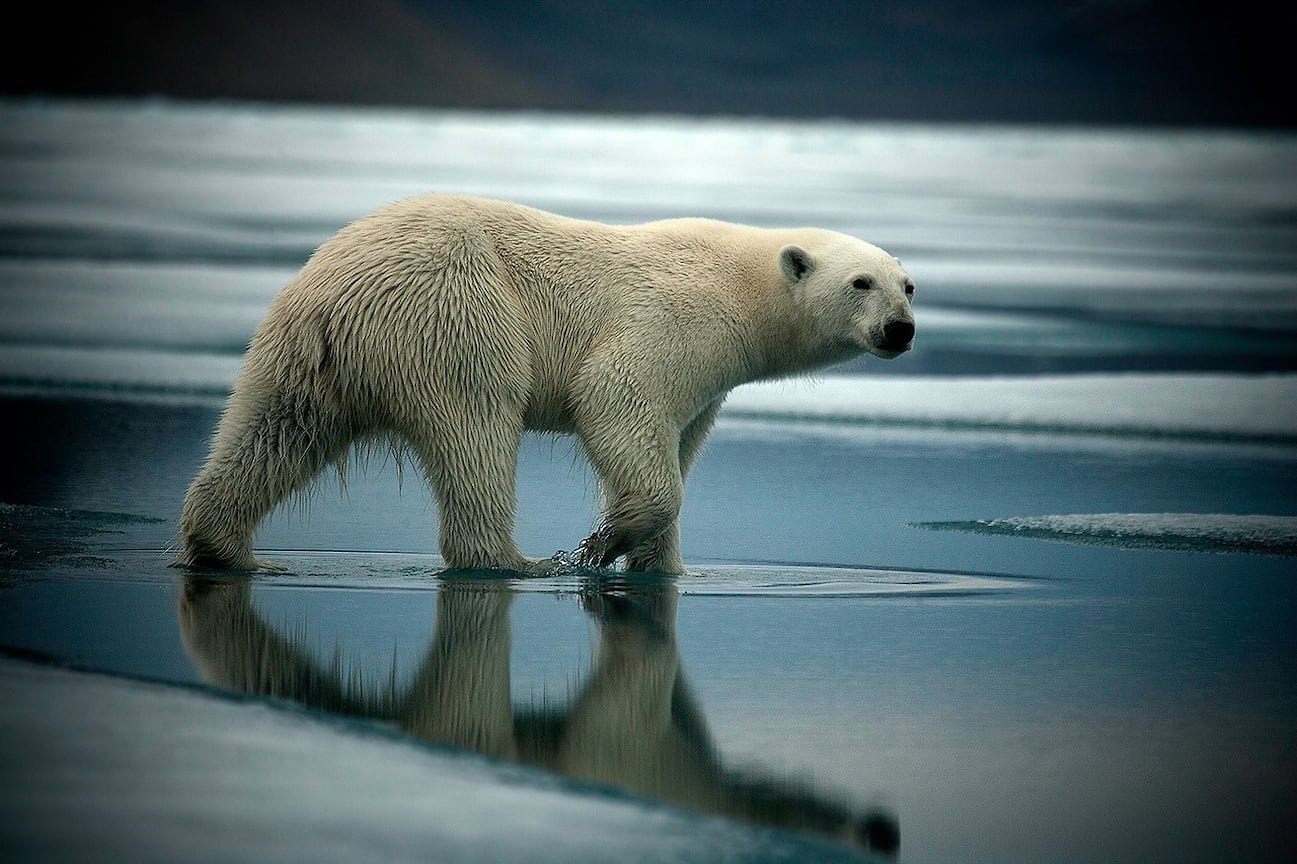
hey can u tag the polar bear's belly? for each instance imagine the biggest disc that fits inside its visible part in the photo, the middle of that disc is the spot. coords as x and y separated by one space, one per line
550 411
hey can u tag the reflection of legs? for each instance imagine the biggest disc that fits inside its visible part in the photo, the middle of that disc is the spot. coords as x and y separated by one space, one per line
472 473
235 649
661 554
637 725
461 694
638 464
619 729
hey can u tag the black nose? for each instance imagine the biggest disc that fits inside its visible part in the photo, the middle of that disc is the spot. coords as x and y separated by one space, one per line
878 832
898 333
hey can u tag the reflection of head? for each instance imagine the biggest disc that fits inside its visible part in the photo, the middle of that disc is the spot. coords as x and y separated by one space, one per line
634 723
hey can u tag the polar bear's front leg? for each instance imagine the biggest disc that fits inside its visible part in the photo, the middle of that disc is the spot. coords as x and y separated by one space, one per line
638 464
662 553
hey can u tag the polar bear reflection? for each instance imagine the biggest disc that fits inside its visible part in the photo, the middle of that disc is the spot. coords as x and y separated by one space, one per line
634 724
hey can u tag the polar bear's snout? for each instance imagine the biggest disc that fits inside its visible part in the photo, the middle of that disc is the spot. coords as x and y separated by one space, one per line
898 335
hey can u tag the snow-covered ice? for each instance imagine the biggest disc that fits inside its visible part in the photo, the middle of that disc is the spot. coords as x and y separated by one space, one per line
99 768
1192 405
1199 532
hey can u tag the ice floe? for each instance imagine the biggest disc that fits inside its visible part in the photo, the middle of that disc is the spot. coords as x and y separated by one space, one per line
1230 406
1198 532
104 768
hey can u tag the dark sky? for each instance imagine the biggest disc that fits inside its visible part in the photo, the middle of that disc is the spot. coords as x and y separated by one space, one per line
1092 61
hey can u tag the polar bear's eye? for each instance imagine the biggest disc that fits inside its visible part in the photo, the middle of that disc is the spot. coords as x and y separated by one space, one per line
862 284
909 289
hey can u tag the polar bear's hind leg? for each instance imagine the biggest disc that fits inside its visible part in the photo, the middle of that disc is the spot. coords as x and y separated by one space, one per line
266 449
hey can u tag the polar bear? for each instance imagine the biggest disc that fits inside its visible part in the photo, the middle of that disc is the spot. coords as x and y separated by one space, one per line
450 325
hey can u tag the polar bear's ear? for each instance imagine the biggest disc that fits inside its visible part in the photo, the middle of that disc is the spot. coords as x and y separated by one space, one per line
795 262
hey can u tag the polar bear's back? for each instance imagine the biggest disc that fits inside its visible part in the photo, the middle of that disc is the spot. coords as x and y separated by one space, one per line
480 273
537 252
449 264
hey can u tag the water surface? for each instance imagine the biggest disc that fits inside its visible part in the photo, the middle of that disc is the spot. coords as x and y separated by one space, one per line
1081 662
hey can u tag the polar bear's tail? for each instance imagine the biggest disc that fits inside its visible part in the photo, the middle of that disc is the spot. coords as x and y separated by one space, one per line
270 444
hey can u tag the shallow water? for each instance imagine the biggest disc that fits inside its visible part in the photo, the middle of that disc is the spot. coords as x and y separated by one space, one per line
1086 665
1137 702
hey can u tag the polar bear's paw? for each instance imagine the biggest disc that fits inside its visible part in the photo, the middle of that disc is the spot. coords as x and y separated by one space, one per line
542 566
595 551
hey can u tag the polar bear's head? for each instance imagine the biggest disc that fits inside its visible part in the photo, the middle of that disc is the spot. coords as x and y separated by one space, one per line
858 295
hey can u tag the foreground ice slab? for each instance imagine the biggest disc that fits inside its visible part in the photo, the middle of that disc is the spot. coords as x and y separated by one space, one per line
1195 532
99 768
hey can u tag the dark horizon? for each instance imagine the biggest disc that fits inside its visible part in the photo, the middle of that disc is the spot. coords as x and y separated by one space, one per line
1109 62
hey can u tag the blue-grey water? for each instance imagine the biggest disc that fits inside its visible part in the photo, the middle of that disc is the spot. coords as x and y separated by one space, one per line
1027 594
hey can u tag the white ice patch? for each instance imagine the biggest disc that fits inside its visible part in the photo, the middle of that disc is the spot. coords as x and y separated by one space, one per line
1199 532
1227 406
102 768
118 370
1166 294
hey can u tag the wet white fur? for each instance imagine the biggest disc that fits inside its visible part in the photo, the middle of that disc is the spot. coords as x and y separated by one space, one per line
451 325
